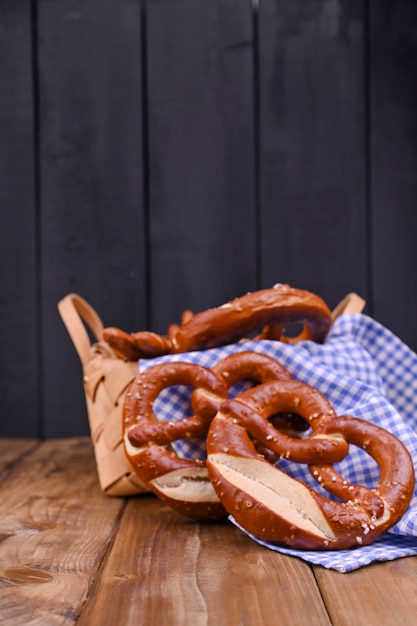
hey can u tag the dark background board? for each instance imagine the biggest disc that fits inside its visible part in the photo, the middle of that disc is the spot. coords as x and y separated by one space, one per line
20 379
393 163
91 181
312 138
158 155
201 155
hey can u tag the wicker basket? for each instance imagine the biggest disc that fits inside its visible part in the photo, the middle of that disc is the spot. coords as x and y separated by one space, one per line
106 379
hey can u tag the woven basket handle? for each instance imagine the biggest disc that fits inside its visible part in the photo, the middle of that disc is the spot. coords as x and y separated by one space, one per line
76 314
352 303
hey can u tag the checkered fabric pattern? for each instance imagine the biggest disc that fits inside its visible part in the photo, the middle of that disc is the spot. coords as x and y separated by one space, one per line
365 371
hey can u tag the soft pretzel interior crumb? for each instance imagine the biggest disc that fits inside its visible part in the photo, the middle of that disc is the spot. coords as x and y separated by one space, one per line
191 484
284 496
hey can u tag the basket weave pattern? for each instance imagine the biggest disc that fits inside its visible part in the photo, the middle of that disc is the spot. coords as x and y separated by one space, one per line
106 379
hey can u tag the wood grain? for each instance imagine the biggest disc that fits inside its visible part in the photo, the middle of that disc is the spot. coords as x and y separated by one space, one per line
56 526
383 594
165 569
12 451
70 555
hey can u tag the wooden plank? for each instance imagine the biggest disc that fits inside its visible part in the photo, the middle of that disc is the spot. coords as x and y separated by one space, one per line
18 250
56 525
201 147
165 569
69 554
12 451
393 92
93 238
382 594
312 146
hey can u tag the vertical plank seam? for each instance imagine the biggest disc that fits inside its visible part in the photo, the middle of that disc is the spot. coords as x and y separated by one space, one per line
314 569
37 208
367 78
146 160
96 579
257 140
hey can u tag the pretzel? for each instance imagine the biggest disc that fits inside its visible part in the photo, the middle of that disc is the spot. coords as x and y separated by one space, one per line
277 508
145 437
238 367
134 346
173 329
250 365
182 483
255 368
270 309
254 407
143 344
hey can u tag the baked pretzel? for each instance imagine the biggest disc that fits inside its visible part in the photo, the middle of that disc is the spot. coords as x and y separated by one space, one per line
250 365
173 329
143 344
255 369
254 408
145 438
277 508
268 310
134 346
182 483
259 368
247 365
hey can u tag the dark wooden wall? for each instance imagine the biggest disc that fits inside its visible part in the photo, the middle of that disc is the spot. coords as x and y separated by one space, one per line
172 154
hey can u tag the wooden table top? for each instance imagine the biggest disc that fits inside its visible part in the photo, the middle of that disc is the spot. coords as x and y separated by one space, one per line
71 555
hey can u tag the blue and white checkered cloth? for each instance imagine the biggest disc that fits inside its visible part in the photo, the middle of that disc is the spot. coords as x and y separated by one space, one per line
365 371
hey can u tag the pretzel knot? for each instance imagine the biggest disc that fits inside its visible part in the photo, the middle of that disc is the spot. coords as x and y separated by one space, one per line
183 483
277 508
268 311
